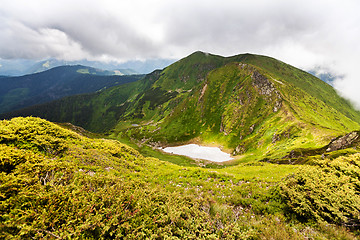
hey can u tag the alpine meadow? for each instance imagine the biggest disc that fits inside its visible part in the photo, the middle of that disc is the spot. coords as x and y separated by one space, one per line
91 165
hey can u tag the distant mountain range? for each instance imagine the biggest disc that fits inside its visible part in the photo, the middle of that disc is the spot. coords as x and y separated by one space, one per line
255 106
51 63
23 67
58 82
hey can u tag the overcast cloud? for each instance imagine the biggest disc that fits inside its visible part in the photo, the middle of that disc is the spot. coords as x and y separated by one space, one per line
307 34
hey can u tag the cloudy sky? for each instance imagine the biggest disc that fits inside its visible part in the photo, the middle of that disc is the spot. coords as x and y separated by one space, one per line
322 34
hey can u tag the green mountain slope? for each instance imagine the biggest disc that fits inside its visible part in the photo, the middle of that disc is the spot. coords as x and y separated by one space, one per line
254 106
58 184
97 112
301 80
20 92
257 111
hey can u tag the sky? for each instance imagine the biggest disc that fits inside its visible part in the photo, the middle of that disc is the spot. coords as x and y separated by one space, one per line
321 34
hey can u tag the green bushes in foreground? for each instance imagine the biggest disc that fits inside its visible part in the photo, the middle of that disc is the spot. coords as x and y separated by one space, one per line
92 189
328 192
56 184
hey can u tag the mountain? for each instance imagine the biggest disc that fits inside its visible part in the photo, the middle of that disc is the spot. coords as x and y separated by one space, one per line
59 181
23 91
16 67
51 63
58 184
25 67
256 107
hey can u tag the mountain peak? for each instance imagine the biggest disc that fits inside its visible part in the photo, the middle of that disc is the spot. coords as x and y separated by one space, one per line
254 106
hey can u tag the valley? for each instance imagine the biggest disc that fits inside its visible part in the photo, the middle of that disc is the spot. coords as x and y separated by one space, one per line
94 165
253 106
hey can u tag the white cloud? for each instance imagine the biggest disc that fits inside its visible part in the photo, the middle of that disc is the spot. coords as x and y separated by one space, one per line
307 34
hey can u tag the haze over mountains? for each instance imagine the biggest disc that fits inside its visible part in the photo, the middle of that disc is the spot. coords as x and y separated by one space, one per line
23 66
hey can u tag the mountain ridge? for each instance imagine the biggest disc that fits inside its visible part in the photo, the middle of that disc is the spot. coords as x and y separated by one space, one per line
20 67
255 105
27 90
61 181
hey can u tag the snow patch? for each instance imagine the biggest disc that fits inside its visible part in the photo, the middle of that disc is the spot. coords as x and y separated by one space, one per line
195 151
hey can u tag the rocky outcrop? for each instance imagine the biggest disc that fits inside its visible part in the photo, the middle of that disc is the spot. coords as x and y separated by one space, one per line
265 87
222 126
251 129
275 138
262 83
203 90
343 142
240 149
346 141
277 105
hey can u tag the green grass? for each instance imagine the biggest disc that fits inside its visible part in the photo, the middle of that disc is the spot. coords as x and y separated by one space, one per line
58 183
83 71
55 183
216 100
302 80
263 172
148 151
188 72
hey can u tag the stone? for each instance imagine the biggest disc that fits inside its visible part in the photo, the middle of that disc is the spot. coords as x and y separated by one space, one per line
275 138
252 128
262 83
277 106
343 142
265 87
239 149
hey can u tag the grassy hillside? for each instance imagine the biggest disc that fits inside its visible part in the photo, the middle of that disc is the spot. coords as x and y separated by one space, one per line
19 92
251 114
302 80
97 112
256 107
55 183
